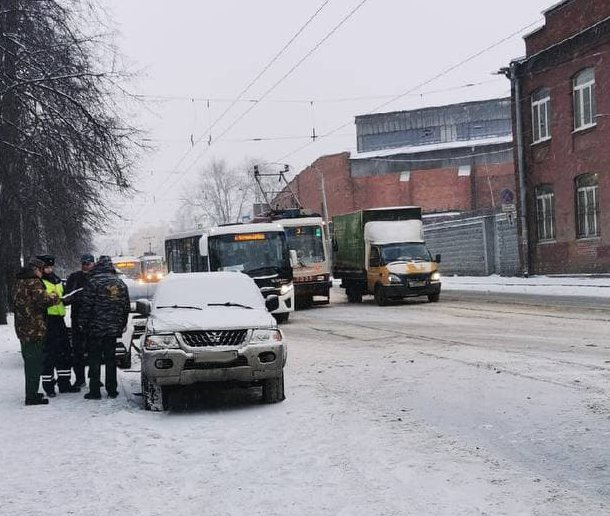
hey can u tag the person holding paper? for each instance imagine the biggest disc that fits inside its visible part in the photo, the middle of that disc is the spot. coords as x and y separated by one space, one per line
57 353
73 297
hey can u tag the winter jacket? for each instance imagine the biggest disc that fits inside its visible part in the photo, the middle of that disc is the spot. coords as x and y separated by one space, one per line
75 281
104 308
30 301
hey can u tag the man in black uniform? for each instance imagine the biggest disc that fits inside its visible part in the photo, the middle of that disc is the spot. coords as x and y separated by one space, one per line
76 283
56 347
103 317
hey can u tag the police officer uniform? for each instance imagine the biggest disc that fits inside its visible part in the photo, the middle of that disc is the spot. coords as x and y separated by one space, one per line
56 347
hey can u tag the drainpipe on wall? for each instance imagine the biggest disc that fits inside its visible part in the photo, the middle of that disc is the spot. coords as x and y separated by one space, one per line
516 87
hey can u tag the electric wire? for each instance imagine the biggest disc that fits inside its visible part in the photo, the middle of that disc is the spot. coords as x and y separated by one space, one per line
344 20
444 72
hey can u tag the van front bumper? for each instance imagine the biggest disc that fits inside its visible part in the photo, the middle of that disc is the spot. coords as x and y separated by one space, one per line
247 364
401 290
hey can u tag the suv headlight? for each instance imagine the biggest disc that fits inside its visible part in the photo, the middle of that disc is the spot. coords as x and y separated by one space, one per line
153 342
284 289
265 336
393 278
435 276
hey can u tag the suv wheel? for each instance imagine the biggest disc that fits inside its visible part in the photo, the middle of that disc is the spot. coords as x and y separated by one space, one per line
433 298
273 389
155 397
125 361
282 317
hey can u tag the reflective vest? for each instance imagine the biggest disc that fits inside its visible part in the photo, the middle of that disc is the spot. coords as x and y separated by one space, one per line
58 289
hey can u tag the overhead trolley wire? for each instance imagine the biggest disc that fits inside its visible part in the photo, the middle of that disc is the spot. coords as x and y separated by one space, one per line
245 90
344 20
444 72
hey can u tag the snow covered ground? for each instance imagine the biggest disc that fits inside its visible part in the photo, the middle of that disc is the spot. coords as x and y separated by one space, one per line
537 285
450 408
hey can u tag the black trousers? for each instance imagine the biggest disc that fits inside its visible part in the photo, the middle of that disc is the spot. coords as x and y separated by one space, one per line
79 350
101 351
56 355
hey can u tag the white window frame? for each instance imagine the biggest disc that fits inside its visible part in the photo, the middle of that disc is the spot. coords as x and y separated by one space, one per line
545 213
587 211
541 128
584 120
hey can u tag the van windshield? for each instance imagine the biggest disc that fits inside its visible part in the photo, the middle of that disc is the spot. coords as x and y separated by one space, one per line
405 252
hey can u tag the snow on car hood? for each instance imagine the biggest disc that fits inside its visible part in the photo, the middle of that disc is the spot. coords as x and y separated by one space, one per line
212 318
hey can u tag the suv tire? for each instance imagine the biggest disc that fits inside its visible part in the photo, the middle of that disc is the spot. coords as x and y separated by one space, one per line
433 298
125 362
156 398
273 389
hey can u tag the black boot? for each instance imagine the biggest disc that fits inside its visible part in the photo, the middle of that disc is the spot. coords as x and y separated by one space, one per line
49 388
36 401
93 396
64 386
69 388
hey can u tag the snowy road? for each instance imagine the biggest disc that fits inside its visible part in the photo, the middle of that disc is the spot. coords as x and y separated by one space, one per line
458 407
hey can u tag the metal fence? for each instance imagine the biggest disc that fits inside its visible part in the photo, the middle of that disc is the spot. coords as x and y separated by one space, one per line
476 246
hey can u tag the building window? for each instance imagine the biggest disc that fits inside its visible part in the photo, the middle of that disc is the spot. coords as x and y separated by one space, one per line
541 115
584 99
587 206
545 212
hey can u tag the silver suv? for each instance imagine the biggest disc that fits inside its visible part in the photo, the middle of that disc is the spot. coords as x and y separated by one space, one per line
210 327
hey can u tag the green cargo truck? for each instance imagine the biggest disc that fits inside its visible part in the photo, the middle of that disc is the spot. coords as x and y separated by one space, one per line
382 252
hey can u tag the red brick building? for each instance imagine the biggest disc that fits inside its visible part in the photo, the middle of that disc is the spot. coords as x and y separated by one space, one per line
444 159
561 105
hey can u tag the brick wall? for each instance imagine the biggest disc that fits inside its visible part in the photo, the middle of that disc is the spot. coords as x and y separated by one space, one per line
434 190
565 21
569 154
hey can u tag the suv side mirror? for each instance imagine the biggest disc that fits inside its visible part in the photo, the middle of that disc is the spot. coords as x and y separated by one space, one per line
437 259
272 303
143 307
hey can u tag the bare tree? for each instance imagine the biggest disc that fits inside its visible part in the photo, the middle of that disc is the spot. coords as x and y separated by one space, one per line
63 142
221 195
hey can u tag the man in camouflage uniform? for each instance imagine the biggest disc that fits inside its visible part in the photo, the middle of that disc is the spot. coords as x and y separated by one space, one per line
30 302
104 312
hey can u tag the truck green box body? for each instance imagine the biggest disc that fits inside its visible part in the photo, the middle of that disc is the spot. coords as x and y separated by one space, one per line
348 236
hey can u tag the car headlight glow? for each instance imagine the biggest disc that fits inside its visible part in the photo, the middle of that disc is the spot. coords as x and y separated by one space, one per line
435 276
284 289
265 336
393 278
153 342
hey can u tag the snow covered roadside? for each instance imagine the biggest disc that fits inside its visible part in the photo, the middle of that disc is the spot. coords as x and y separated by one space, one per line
581 286
585 286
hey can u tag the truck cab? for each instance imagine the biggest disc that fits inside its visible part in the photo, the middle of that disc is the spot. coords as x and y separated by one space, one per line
398 262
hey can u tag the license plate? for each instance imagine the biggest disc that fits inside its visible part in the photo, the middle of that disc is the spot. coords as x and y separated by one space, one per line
214 356
415 284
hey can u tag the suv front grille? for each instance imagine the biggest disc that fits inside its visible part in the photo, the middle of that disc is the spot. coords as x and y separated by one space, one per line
198 339
191 365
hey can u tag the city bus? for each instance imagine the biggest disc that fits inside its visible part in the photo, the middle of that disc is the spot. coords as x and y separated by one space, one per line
258 250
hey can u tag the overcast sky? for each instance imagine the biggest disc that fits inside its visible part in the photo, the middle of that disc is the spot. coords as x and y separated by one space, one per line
190 51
